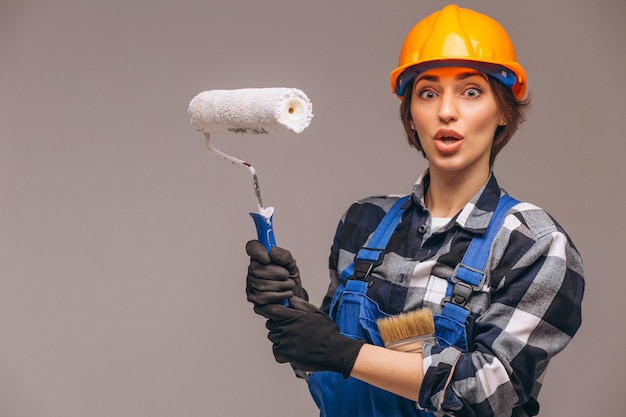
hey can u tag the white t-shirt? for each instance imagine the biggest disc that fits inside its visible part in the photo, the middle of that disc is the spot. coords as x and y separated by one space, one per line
438 222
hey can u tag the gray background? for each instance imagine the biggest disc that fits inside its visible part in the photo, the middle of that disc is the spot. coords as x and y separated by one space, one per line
122 256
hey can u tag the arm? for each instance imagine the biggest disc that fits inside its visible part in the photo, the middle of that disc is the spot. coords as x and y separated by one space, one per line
397 372
533 314
393 371
307 338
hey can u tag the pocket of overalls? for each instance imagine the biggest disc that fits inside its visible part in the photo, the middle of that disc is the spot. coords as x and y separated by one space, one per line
449 332
357 314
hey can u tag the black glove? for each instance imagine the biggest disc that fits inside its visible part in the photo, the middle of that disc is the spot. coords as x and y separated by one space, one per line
272 277
307 338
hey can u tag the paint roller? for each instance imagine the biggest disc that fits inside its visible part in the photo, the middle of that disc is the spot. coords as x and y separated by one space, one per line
251 111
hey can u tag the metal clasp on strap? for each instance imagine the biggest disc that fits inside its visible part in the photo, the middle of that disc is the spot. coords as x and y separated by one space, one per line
365 261
465 280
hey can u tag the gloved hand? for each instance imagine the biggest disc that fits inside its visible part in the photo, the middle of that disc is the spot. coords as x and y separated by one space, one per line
307 338
272 277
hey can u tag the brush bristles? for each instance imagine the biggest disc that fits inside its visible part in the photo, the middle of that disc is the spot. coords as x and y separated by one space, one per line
406 325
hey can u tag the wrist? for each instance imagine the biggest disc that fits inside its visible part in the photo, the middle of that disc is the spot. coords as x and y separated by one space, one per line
349 354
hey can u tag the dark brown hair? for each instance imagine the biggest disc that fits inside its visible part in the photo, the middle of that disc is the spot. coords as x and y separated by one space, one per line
514 112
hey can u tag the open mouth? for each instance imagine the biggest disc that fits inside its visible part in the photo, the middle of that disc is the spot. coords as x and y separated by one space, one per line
448 140
447 135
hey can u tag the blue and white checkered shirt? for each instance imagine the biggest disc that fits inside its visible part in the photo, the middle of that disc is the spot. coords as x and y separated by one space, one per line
527 311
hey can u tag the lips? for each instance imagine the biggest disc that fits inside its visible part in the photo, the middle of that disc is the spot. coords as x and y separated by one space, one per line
447 141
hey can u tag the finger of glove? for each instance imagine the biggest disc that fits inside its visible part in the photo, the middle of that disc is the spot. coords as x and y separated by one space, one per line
276 313
298 341
283 257
267 284
257 252
281 357
302 366
261 283
265 298
299 304
313 342
268 271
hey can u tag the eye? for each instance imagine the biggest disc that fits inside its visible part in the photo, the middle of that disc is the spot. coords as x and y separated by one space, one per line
472 92
426 94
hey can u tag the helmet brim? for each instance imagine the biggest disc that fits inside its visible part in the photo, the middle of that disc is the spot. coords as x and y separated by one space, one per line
504 74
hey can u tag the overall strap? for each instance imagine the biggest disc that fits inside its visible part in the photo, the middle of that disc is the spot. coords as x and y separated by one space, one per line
469 275
372 253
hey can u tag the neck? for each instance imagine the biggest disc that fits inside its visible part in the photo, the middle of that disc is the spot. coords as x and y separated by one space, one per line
448 194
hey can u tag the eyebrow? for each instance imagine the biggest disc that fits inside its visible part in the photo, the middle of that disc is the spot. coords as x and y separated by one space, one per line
458 77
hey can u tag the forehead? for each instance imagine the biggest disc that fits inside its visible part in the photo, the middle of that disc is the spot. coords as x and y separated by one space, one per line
452 72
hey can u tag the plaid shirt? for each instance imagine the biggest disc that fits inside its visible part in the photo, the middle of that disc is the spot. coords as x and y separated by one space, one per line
527 311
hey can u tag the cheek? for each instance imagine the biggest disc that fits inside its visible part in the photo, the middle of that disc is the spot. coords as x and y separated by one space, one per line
484 120
420 128
491 125
419 119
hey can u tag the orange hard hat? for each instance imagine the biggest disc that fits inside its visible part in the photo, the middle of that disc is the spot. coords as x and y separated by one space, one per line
459 37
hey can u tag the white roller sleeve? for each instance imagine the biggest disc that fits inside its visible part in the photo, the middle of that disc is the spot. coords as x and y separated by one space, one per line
251 110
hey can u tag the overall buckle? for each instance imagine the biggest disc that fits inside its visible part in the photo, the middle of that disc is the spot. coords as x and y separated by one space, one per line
365 261
463 288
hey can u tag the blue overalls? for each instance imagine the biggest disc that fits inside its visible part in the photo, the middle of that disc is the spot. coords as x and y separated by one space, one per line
356 314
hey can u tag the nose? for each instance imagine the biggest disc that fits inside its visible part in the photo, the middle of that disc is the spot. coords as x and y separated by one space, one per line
447 111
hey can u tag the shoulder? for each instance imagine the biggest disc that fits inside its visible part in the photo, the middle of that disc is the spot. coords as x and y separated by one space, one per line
370 209
529 233
533 221
382 201
362 217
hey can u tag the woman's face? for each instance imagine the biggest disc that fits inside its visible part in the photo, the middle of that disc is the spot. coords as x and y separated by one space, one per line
455 115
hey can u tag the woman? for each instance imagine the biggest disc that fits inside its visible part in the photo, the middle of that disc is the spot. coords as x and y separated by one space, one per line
462 97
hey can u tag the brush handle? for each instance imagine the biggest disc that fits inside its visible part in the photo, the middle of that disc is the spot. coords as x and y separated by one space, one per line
412 344
265 231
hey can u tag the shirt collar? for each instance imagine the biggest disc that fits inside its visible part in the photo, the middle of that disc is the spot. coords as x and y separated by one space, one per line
477 213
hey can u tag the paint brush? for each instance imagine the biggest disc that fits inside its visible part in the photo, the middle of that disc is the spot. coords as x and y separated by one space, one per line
406 332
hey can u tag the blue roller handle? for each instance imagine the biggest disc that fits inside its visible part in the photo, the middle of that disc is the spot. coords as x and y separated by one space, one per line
265 234
264 230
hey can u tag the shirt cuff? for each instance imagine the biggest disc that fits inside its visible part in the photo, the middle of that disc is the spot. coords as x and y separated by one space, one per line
438 364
